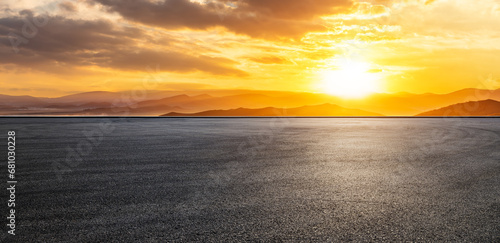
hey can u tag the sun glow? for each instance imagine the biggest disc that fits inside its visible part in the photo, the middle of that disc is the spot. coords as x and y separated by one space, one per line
351 79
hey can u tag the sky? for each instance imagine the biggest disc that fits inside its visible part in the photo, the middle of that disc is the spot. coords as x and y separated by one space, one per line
348 48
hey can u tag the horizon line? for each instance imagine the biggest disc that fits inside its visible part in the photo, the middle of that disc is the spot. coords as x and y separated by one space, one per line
252 117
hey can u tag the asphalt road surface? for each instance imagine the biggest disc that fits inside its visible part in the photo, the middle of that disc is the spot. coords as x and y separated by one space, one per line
272 180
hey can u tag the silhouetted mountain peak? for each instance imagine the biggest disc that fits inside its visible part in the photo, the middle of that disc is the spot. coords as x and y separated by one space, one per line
317 110
487 107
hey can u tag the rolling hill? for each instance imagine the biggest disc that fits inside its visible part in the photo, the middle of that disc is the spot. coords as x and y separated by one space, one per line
471 108
318 110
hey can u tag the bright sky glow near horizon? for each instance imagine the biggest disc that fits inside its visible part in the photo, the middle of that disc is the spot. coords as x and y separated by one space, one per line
350 79
348 48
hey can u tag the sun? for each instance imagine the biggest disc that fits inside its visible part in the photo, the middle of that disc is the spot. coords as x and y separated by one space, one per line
351 79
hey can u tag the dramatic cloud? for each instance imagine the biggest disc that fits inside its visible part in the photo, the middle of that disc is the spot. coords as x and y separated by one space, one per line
295 9
68 42
68 6
414 45
257 18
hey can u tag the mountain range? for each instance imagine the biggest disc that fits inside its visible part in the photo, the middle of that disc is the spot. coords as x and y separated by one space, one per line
155 103
471 108
317 110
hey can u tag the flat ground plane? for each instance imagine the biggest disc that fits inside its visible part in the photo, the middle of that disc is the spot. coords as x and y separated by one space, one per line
288 179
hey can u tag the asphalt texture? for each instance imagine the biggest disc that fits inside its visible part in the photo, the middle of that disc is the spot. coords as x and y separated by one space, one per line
271 180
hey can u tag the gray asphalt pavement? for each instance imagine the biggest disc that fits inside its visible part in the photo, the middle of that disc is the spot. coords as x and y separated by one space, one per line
272 180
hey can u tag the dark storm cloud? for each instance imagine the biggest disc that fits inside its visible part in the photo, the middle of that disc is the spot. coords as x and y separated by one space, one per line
65 42
257 18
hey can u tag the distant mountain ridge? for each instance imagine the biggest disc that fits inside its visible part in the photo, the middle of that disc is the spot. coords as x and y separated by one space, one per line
471 108
157 102
318 110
